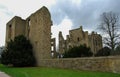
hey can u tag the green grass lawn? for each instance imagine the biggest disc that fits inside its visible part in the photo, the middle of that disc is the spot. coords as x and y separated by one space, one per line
52 72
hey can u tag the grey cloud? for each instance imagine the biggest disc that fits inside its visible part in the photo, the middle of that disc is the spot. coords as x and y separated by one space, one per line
87 13
57 15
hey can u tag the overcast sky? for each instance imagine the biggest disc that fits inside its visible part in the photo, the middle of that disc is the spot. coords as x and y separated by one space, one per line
66 14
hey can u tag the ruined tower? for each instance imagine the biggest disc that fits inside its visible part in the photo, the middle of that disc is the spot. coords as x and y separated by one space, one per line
39 33
78 37
95 42
61 43
36 28
15 27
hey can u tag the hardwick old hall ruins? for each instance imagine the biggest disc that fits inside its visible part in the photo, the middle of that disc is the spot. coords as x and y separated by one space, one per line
78 37
37 28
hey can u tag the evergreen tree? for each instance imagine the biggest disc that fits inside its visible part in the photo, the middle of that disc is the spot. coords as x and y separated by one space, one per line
18 53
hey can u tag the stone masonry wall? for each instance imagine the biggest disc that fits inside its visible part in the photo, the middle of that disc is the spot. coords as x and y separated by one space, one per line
104 64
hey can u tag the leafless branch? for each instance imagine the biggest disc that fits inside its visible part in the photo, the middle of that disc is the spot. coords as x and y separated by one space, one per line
110 26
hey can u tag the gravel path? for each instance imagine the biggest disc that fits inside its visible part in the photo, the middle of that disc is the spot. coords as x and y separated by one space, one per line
2 74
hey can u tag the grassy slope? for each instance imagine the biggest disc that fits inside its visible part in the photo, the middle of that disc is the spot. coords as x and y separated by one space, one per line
52 72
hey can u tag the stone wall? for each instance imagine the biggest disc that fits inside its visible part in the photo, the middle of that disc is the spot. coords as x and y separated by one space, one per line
104 64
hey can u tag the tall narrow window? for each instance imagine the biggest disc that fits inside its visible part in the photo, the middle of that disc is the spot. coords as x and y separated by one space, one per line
29 23
52 48
10 31
52 43
78 39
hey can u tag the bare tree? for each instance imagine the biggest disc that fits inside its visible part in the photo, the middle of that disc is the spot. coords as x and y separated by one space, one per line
110 28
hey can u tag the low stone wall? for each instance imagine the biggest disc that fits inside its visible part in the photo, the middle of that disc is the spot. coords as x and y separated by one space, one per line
105 64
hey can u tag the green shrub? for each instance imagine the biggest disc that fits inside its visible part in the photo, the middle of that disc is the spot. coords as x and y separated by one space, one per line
78 51
104 52
18 53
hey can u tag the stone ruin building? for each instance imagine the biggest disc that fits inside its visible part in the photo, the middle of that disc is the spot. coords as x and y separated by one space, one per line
36 28
78 37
